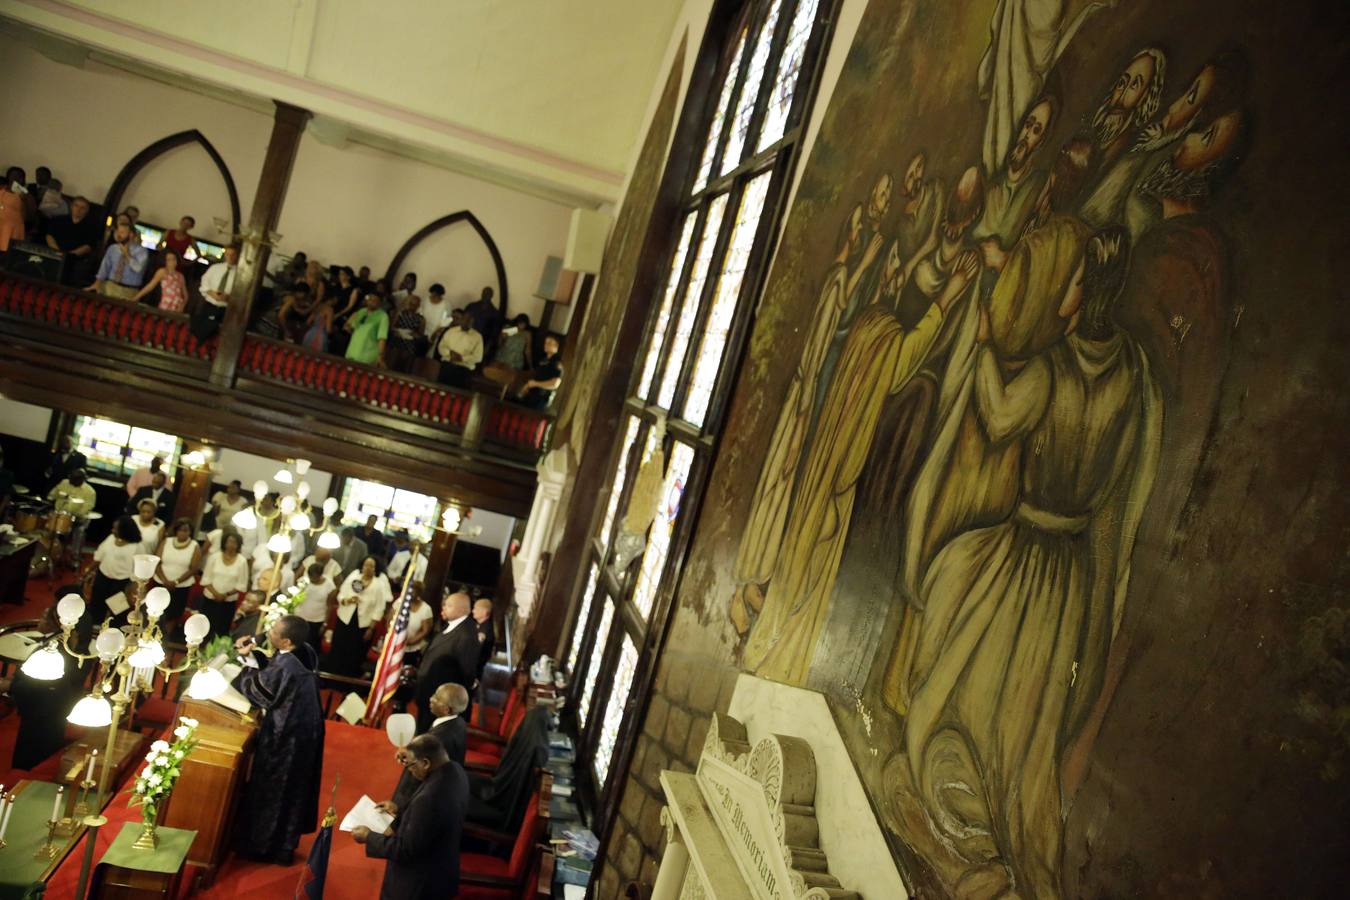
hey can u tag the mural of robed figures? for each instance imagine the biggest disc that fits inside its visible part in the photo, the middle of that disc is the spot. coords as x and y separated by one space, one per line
1003 388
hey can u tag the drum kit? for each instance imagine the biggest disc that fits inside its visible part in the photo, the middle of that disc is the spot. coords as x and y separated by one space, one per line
39 520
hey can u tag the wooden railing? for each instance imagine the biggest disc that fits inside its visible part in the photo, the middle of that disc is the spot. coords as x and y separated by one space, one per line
477 418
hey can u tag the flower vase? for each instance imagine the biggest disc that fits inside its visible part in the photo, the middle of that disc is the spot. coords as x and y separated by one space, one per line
148 839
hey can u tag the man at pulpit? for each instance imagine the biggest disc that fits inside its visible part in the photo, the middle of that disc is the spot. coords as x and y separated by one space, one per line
281 799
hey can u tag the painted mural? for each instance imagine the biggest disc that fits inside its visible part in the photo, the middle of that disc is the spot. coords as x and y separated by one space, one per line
991 390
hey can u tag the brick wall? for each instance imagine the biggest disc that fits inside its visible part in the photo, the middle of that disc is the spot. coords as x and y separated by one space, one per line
682 704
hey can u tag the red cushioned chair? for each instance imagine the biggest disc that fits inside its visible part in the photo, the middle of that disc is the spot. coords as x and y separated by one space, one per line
483 876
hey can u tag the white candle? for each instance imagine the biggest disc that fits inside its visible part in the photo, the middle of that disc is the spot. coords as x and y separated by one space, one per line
4 818
89 774
56 805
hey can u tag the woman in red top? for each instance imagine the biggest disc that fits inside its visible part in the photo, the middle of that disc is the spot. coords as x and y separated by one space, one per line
180 239
172 287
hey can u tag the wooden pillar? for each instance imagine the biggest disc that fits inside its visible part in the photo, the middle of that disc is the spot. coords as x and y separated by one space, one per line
287 126
194 488
438 568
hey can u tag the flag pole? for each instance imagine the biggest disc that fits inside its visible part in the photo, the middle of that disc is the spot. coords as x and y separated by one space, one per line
377 683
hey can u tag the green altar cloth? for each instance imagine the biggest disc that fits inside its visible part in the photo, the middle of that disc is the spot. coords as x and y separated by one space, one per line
22 876
167 858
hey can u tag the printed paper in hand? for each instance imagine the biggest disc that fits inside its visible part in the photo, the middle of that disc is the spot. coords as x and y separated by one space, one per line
365 813
118 604
352 708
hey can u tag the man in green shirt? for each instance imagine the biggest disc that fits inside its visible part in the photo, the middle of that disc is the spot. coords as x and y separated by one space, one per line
369 328
75 497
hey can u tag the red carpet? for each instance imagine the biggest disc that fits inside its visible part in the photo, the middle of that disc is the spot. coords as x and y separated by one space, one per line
362 756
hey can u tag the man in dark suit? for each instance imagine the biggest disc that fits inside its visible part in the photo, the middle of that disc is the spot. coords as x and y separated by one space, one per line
65 460
422 847
158 491
487 635
451 657
449 728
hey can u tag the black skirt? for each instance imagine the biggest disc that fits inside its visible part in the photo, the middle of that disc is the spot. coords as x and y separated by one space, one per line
348 652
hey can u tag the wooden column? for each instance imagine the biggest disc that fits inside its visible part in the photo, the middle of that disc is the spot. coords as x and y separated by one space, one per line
194 489
438 568
287 126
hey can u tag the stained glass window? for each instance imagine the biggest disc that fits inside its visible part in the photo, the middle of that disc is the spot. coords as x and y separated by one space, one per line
620 475
689 310
593 666
658 340
720 116
123 449
745 106
578 632
724 301
614 709
789 67
658 538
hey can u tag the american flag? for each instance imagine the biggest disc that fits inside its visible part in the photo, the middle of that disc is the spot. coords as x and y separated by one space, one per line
385 682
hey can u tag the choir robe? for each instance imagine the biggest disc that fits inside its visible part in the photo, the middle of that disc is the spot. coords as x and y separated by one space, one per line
281 799
422 853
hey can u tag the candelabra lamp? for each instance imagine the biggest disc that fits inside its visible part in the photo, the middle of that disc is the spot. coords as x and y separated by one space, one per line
128 657
286 518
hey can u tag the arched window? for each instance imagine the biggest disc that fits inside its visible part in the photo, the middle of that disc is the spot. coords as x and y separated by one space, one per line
755 117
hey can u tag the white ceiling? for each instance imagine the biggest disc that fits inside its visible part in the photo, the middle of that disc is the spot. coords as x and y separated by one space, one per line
550 93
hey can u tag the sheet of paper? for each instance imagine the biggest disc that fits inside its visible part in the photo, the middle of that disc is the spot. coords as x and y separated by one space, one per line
118 604
352 707
17 646
365 813
574 892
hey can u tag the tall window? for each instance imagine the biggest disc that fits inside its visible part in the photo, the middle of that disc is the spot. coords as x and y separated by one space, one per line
395 509
717 257
118 449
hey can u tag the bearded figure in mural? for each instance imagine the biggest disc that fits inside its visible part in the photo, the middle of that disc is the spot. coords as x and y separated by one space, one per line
1020 531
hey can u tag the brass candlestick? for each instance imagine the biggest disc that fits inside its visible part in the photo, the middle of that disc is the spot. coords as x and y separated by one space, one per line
82 803
48 850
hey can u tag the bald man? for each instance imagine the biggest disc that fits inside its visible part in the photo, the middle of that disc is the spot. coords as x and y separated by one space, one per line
449 727
452 656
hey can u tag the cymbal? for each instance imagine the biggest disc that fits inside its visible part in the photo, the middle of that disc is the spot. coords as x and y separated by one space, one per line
21 490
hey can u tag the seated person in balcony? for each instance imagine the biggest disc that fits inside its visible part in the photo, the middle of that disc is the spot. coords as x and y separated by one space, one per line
172 285
75 235
12 227
133 214
157 490
215 287
303 320
461 349
369 330
122 271
485 317
537 392
406 339
362 599
513 349
179 239
51 203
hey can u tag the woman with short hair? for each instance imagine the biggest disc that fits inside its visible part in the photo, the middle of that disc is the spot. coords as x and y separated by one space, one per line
179 559
362 600
224 576
113 566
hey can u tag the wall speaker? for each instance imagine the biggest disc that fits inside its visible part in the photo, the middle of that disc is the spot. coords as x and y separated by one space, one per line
586 240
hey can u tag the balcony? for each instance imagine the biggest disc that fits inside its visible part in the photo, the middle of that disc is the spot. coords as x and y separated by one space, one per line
93 355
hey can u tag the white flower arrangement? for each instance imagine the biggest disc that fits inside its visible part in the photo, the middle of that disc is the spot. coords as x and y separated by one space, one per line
163 765
282 604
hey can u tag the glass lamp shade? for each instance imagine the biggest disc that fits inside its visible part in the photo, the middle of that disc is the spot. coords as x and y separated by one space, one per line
302 490
283 476
70 609
143 566
147 654
301 466
450 519
246 519
259 489
207 684
300 522
330 506
109 643
329 540
194 460
45 664
156 601
279 543
288 504
91 712
196 628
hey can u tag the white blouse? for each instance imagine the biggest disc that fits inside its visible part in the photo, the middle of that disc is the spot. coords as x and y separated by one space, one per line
115 560
176 562
150 534
369 602
314 608
225 578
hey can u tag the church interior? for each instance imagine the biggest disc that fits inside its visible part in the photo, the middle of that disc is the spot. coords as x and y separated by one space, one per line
802 449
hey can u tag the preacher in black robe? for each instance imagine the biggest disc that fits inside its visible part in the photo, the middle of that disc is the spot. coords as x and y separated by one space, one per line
422 852
281 799
43 705
448 705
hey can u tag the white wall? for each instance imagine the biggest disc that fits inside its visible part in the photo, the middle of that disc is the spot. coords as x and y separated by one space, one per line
24 420
248 468
348 205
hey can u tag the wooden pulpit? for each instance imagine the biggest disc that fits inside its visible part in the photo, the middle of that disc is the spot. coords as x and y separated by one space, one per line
206 796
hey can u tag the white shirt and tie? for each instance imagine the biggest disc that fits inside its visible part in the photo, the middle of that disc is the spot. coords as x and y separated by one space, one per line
220 277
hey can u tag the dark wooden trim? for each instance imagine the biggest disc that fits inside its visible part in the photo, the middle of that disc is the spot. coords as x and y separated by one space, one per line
112 201
436 225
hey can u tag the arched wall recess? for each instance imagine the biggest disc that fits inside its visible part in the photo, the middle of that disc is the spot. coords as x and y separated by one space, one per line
113 201
431 228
